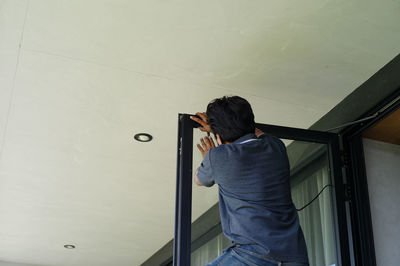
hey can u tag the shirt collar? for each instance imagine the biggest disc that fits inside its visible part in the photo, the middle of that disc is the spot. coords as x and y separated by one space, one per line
245 137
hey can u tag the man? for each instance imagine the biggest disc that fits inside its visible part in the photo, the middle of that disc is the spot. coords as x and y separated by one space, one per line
252 172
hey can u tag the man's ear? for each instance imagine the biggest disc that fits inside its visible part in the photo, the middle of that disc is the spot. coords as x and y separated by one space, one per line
219 139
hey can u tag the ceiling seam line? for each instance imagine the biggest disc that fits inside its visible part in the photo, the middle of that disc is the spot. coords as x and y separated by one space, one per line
14 82
97 64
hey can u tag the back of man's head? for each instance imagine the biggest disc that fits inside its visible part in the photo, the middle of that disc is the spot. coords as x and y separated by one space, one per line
230 117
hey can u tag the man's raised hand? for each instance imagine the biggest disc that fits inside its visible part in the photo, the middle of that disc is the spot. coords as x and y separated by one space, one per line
207 143
204 126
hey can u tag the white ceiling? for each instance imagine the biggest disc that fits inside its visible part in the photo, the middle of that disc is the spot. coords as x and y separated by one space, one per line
78 78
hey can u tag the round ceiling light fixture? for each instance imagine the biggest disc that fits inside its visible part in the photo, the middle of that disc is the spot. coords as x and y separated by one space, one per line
143 137
69 246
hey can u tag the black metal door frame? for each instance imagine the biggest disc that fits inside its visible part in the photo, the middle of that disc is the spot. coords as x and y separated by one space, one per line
357 190
183 207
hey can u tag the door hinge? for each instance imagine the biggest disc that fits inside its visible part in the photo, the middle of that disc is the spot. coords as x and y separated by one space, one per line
348 195
345 167
345 159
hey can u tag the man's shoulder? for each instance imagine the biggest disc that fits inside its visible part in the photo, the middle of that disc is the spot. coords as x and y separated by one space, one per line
271 138
219 151
266 136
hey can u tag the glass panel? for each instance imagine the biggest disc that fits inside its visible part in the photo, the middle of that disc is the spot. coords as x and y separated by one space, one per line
309 175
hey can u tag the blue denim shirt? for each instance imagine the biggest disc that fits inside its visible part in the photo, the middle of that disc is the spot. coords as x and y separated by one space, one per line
254 195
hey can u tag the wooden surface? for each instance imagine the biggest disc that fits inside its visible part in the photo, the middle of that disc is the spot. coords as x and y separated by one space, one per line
387 130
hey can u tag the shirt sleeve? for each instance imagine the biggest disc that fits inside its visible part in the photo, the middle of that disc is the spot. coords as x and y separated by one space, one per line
204 174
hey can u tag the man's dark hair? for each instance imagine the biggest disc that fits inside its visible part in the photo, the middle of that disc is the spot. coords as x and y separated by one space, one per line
230 117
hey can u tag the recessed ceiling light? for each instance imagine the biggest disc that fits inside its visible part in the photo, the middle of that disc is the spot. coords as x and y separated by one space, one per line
143 137
69 246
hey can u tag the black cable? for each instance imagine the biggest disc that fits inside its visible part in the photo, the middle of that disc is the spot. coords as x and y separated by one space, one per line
305 206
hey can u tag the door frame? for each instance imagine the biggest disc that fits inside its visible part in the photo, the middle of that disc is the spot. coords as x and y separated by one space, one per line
357 187
183 203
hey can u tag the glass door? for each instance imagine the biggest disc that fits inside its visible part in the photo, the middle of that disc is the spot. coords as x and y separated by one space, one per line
316 186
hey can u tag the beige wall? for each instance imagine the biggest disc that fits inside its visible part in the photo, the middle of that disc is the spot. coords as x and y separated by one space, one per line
383 174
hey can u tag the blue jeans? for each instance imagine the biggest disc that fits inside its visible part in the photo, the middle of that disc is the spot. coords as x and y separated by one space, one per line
246 255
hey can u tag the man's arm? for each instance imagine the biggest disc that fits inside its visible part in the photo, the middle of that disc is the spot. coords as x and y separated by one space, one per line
196 179
205 145
203 175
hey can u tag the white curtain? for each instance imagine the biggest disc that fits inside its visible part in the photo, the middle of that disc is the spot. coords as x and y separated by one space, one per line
316 220
210 251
